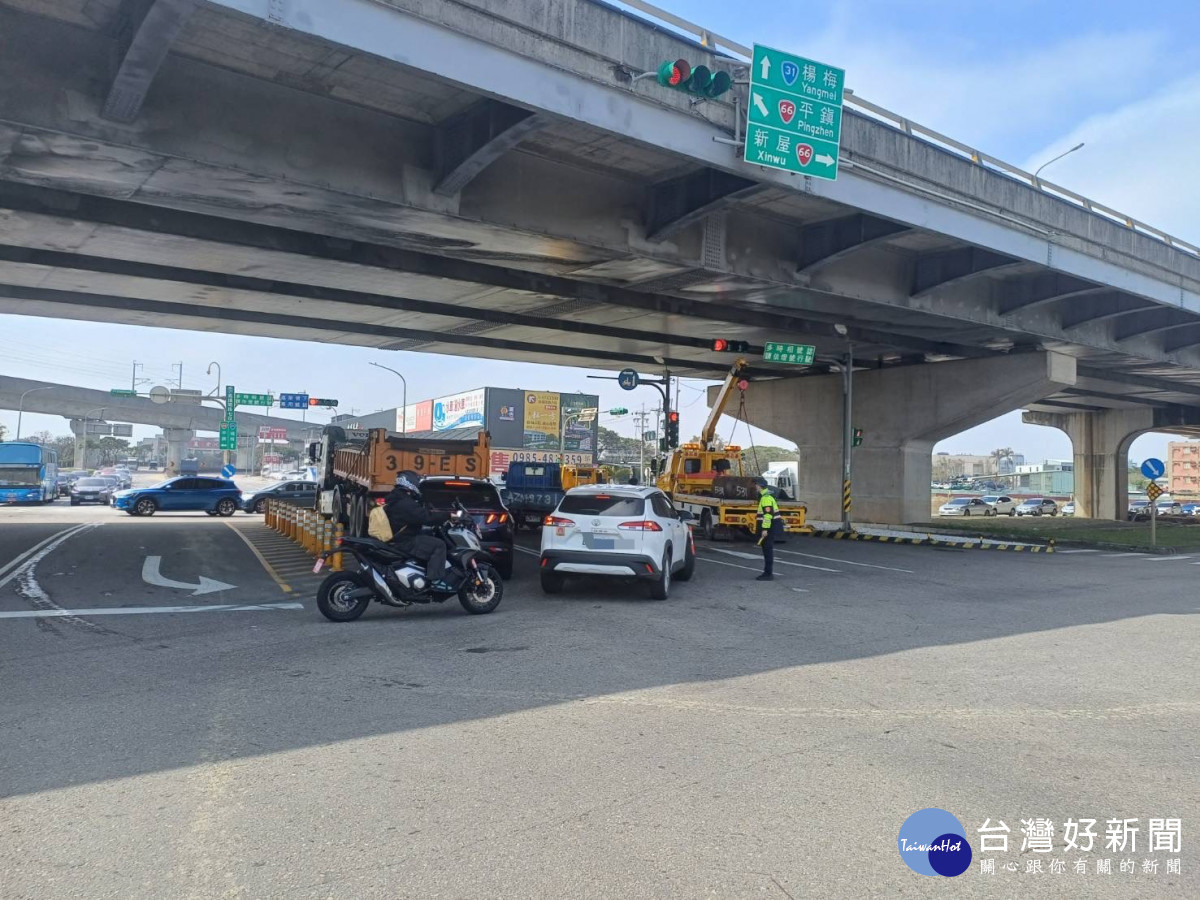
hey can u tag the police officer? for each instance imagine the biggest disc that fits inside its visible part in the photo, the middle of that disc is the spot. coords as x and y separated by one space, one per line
770 526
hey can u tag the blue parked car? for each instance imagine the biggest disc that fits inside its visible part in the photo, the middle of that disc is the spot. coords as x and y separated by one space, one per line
215 496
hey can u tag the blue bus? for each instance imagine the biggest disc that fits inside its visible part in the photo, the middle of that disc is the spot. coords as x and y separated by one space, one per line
28 473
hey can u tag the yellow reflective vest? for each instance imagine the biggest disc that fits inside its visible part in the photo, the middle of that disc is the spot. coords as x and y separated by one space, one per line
768 509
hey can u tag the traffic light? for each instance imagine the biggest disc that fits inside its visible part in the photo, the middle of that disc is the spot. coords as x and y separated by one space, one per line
858 437
700 80
725 345
672 437
321 401
618 411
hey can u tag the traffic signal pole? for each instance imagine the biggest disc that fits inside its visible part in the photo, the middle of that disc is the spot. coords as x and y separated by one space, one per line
847 436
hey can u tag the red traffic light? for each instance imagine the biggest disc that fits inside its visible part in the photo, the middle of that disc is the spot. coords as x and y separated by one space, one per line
674 74
673 416
720 345
313 401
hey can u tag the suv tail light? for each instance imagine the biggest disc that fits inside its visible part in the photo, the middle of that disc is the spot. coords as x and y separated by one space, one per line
556 520
644 525
494 518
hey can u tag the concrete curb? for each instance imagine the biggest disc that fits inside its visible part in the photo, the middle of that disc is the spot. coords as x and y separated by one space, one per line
977 544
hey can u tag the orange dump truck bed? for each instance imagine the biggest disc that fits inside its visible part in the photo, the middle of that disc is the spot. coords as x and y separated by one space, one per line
374 464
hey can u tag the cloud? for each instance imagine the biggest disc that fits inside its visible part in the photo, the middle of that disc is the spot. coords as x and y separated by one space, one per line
1139 159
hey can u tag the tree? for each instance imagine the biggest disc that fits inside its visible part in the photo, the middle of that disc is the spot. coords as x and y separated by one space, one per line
999 456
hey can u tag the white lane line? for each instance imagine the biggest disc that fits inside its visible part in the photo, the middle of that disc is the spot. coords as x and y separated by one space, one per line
527 550
143 610
1168 558
844 562
758 556
8 570
1076 551
1122 555
721 562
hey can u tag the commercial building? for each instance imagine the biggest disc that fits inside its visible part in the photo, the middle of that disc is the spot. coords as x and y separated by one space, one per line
1052 477
1183 468
525 426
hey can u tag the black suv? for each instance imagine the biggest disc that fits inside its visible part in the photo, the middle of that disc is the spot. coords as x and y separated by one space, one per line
482 500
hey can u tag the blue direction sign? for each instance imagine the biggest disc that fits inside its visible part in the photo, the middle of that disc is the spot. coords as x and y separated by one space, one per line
293 401
628 379
1153 468
228 471
794 117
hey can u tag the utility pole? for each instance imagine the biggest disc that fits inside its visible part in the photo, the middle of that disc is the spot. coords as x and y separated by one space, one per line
179 366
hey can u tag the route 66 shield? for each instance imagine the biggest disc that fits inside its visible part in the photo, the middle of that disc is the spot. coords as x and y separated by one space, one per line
787 111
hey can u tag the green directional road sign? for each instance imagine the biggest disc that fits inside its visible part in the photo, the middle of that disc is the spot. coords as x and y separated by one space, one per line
229 436
800 354
230 403
794 117
253 400
121 392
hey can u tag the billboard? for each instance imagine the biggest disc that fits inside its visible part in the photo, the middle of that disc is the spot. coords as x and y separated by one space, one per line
541 421
459 411
580 436
500 459
506 417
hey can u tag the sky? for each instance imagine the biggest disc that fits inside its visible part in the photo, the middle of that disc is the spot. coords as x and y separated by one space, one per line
1022 80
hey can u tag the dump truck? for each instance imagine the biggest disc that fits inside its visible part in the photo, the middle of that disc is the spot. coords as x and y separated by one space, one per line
353 472
707 478
532 490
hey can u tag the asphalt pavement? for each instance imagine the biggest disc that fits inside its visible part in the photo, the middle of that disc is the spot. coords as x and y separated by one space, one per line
197 729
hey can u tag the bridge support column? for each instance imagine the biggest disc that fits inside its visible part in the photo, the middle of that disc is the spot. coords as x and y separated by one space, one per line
177 439
903 411
1100 443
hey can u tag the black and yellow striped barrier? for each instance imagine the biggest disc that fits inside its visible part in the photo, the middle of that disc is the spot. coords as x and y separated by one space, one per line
979 543
846 496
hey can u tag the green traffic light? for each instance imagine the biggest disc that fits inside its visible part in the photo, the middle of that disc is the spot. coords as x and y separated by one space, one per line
700 81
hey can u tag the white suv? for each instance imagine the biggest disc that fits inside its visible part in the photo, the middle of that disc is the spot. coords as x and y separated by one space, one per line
617 529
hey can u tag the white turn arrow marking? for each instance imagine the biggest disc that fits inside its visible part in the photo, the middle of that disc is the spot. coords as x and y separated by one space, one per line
825 159
765 68
151 575
760 106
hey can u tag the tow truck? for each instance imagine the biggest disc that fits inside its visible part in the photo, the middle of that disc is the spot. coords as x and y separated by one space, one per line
707 478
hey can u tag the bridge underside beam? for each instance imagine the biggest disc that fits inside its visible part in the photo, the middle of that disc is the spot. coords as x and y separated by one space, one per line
1042 290
147 28
200 226
469 142
170 309
822 243
1152 321
938 270
1101 308
1186 336
674 204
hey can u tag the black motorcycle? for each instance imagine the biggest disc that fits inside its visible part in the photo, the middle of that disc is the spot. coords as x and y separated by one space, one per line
384 573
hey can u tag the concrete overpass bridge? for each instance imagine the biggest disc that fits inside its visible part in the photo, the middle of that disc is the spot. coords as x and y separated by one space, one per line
179 421
491 178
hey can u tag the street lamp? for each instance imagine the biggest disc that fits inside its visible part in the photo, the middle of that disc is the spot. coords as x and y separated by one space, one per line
21 405
86 415
208 371
847 436
1056 159
404 397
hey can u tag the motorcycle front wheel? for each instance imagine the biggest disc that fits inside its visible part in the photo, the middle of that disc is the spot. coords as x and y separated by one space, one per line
478 599
334 600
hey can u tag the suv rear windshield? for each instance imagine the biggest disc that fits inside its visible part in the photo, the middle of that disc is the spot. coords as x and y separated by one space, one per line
472 496
91 483
603 505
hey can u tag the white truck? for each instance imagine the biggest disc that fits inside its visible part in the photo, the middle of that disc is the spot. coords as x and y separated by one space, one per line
784 478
